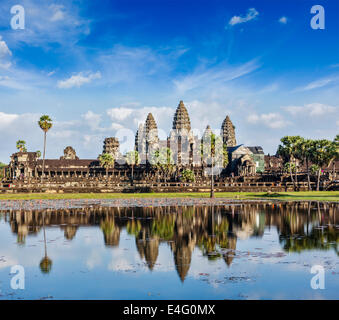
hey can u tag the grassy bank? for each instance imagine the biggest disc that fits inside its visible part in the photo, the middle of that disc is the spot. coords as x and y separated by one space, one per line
313 195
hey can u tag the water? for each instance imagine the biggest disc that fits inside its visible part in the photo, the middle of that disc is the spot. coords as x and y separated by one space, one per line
232 251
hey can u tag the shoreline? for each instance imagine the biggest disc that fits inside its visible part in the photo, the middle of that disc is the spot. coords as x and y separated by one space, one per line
57 204
326 196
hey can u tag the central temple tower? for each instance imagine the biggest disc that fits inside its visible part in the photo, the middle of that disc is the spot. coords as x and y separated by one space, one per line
181 139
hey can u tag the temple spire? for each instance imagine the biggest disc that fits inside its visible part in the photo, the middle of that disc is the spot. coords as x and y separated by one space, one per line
181 118
228 132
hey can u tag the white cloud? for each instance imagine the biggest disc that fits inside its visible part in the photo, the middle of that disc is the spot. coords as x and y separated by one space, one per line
131 118
93 120
312 109
4 50
252 13
78 80
58 12
7 119
271 120
119 114
283 20
6 81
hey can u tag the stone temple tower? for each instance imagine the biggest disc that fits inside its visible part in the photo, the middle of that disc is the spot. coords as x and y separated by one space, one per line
151 134
181 139
111 146
228 132
146 138
181 119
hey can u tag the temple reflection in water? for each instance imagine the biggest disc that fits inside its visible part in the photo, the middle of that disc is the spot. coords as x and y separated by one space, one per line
214 230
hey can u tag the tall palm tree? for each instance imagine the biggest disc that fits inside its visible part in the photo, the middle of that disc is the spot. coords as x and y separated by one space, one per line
21 145
215 152
45 123
106 161
132 159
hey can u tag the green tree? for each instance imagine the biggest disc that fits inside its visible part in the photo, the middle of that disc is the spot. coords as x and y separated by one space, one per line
162 160
45 124
21 145
289 166
322 154
288 150
38 154
314 169
188 175
132 159
106 161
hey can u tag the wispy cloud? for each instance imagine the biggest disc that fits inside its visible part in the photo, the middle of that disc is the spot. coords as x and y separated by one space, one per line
312 109
220 74
252 13
46 23
78 80
272 120
316 84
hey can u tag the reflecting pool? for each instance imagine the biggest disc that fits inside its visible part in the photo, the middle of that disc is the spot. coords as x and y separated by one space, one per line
233 251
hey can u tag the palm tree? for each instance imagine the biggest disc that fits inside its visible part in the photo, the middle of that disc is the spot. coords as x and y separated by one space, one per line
213 151
132 159
45 123
106 161
21 145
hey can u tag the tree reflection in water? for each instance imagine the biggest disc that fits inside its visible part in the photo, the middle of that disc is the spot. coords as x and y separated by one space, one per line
214 230
45 263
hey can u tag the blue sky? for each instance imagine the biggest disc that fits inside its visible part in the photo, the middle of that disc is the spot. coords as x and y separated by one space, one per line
98 67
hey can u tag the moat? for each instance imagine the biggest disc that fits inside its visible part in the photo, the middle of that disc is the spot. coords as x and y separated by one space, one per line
154 249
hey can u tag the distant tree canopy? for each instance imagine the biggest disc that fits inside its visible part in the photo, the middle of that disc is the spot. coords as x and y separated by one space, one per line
319 152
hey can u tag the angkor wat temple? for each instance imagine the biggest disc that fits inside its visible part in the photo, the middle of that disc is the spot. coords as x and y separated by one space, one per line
245 164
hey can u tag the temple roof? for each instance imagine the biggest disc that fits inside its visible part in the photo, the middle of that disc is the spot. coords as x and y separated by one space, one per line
181 118
256 150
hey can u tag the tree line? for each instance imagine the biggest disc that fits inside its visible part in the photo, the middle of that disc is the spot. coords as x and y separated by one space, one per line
314 154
